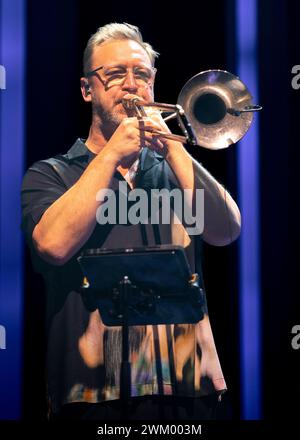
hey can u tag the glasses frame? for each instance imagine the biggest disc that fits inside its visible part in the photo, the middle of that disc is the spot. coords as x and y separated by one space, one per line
95 71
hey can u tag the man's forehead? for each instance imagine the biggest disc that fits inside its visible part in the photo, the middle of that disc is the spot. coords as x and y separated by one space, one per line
119 51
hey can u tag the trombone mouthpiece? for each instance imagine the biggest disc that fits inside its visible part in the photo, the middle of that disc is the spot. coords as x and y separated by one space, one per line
127 104
130 101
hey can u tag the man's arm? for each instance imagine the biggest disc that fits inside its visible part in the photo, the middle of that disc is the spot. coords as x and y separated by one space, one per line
68 223
222 220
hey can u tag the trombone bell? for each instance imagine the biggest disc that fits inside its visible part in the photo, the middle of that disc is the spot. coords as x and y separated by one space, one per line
218 106
214 110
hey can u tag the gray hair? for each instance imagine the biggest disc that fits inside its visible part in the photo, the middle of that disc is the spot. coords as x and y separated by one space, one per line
115 31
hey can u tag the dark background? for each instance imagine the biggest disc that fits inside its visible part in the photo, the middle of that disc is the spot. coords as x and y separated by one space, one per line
192 37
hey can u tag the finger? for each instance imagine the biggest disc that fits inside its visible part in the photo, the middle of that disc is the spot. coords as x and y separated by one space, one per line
144 124
145 138
151 129
153 138
159 143
158 146
154 144
158 140
145 141
157 121
148 123
153 112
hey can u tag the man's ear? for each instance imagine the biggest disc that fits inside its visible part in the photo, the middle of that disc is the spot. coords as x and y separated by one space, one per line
85 89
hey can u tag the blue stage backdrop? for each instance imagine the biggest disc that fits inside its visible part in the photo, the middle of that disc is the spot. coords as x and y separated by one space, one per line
248 188
12 60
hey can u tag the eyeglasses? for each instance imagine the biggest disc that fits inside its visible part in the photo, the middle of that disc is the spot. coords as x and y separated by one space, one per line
115 75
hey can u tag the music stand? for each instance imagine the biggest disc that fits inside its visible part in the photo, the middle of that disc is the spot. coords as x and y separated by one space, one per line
140 286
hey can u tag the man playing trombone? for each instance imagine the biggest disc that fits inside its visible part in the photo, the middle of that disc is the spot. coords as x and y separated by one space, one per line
59 199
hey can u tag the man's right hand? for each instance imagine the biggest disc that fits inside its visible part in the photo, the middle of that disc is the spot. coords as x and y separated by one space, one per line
131 135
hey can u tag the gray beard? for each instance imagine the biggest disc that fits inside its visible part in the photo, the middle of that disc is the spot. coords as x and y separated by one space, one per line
110 121
113 119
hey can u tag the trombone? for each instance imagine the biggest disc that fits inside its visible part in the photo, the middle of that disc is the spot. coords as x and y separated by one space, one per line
214 110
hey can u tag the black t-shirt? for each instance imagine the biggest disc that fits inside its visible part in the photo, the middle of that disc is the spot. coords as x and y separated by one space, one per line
83 355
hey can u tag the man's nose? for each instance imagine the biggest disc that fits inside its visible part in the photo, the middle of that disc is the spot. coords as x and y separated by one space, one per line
130 81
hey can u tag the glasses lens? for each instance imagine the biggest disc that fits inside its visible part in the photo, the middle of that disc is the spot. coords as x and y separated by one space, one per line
113 75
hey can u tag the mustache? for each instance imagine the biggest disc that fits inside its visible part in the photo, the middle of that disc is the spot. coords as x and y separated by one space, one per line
130 97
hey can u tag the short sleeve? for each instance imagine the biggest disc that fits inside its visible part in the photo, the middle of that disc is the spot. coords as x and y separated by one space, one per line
41 186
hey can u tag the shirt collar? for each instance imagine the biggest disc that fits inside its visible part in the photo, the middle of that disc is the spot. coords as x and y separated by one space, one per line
79 149
148 157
